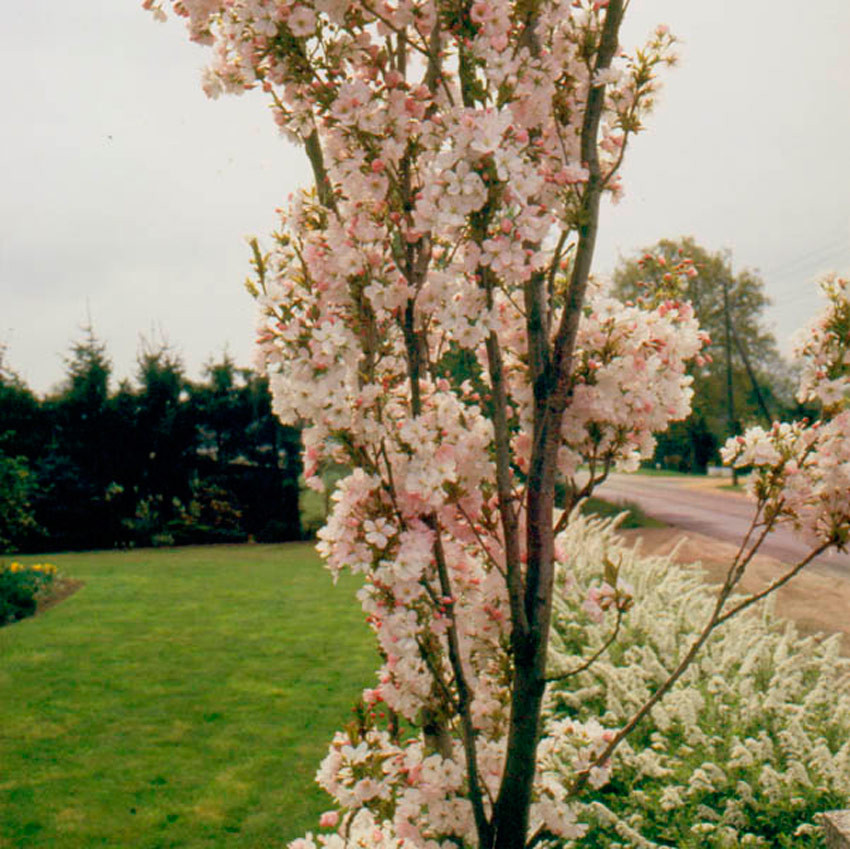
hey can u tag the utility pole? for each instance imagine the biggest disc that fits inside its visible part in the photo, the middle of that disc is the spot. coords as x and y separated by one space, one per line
762 401
730 399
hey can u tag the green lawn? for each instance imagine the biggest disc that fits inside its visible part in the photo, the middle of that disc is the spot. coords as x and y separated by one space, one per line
635 517
666 473
182 697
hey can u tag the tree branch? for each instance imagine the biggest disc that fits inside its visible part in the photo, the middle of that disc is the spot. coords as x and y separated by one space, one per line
464 701
596 655
528 687
775 585
510 526
324 190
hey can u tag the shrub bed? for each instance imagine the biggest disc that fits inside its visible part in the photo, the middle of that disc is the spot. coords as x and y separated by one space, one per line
20 586
746 750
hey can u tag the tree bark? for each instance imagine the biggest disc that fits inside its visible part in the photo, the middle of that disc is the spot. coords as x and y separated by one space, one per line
511 812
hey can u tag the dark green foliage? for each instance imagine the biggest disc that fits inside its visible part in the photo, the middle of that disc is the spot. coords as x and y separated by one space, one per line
22 427
165 437
688 446
19 435
210 516
245 451
69 504
17 519
20 586
167 462
89 370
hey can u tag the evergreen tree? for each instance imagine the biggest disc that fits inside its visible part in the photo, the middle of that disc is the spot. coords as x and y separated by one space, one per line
165 434
77 471
20 426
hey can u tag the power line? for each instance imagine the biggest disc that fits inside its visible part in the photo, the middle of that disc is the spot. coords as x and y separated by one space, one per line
827 254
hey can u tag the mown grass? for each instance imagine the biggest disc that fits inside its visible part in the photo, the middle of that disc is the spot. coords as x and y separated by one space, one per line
634 518
181 698
666 473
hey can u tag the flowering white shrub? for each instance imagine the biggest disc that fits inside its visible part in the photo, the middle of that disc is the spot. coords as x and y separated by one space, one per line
751 744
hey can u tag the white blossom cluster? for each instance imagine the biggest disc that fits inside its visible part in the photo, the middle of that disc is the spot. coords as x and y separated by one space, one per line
824 348
801 471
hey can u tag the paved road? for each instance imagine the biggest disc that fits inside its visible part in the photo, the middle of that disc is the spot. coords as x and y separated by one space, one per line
722 515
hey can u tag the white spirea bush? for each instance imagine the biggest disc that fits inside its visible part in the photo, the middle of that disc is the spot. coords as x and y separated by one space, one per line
749 746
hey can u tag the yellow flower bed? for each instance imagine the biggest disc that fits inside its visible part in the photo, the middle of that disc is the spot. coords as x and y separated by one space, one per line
40 568
20 585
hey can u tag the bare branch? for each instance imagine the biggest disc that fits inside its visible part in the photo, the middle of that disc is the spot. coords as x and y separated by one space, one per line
596 655
401 33
775 585
435 674
510 527
324 190
481 542
584 492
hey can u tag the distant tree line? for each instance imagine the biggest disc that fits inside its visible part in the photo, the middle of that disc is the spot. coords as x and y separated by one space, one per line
161 461
166 460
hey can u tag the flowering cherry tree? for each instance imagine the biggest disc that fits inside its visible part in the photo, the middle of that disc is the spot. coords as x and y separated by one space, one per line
427 312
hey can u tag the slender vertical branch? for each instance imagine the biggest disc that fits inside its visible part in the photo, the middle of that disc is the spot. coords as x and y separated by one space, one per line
464 696
537 329
507 509
511 813
324 189
416 262
589 223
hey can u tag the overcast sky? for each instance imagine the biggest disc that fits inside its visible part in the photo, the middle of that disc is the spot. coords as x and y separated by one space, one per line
127 196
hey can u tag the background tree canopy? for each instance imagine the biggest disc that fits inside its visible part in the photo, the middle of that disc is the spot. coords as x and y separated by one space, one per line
761 381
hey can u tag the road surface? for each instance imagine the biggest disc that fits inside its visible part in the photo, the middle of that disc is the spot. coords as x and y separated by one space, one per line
721 515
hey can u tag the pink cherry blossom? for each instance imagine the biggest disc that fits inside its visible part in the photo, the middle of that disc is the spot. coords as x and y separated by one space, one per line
428 319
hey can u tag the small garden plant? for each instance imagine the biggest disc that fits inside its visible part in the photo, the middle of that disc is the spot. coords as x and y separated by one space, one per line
20 587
